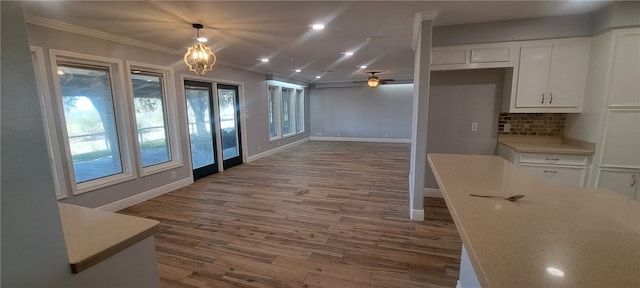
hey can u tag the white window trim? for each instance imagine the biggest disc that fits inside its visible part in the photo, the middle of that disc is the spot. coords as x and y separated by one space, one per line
122 117
292 111
278 108
49 122
277 115
171 119
297 100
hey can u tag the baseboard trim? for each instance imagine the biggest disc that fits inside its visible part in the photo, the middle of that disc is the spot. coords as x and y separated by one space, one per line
144 196
417 215
275 150
356 139
432 192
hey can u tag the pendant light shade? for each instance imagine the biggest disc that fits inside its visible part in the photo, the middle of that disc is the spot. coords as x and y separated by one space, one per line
373 81
199 58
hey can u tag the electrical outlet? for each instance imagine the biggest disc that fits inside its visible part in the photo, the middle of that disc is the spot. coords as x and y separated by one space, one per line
259 148
386 135
338 133
319 133
507 127
474 126
173 174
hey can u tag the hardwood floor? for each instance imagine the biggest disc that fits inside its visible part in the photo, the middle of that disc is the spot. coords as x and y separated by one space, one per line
321 214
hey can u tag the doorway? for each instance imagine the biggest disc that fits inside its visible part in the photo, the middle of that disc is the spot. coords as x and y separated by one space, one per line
229 113
199 96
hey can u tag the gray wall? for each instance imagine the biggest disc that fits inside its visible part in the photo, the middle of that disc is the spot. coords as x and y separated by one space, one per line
362 112
458 98
514 30
33 248
255 91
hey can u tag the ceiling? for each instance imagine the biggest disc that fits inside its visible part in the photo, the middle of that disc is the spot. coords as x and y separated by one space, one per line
240 32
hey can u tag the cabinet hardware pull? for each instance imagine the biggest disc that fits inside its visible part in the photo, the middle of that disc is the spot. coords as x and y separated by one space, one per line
551 98
551 171
634 180
552 159
542 102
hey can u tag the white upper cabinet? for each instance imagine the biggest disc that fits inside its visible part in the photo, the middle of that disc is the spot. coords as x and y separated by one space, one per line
476 56
624 89
552 76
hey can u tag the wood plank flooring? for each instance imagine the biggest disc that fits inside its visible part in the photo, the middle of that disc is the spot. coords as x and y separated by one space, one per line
321 214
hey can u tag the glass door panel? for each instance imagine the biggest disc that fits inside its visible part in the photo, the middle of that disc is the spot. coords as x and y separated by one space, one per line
228 104
199 115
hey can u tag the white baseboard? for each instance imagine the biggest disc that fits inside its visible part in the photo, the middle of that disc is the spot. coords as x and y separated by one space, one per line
417 215
144 196
432 192
275 150
355 139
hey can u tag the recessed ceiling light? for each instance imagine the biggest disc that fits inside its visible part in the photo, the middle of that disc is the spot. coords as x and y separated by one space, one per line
298 70
363 67
318 77
264 60
348 53
317 26
202 39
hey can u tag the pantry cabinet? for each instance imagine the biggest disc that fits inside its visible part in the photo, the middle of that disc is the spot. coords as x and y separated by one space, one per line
552 76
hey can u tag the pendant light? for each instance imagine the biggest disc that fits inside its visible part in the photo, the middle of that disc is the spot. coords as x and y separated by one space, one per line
199 58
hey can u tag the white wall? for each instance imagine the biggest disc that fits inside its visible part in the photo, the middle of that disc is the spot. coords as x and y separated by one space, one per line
362 112
456 99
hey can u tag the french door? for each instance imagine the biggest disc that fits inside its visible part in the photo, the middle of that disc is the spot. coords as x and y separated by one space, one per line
229 112
200 116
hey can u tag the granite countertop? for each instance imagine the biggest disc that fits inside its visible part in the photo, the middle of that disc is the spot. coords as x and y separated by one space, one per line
92 235
547 144
553 237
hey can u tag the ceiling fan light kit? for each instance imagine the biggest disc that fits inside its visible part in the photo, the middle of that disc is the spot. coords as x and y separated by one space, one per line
373 81
199 58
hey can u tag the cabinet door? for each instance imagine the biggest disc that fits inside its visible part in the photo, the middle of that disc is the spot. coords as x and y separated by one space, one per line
621 143
557 175
568 75
533 76
622 182
625 70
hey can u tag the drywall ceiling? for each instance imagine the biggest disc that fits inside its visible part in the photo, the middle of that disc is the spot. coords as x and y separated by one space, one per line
240 32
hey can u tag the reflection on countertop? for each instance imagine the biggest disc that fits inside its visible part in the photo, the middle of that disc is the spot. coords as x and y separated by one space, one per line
547 144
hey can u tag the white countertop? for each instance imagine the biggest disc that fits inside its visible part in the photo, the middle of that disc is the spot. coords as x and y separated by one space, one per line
92 235
591 236
547 144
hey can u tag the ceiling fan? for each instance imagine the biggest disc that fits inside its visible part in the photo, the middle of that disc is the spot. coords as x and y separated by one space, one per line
373 80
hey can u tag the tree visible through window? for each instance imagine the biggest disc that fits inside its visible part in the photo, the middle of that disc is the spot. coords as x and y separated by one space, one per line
90 121
148 100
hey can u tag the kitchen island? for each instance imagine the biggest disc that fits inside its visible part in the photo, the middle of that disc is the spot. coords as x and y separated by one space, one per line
553 237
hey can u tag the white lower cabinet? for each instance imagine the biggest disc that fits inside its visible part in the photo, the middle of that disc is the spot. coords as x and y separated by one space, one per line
558 175
624 182
557 169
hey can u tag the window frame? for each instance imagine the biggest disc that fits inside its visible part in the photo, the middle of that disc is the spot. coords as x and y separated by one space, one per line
299 111
277 121
291 109
278 117
170 113
42 83
121 117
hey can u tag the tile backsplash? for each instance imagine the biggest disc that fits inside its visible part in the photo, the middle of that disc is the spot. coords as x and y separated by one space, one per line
540 124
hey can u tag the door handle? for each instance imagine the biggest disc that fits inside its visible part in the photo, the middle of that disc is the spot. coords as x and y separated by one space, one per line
550 98
542 101
634 180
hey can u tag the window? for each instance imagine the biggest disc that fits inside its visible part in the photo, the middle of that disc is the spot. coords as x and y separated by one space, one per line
148 102
273 126
299 111
154 110
90 120
287 112
285 109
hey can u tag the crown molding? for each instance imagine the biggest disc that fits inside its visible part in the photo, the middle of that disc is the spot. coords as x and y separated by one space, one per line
57 25
422 16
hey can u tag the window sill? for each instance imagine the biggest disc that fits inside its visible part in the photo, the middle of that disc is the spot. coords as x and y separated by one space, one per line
101 183
162 167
